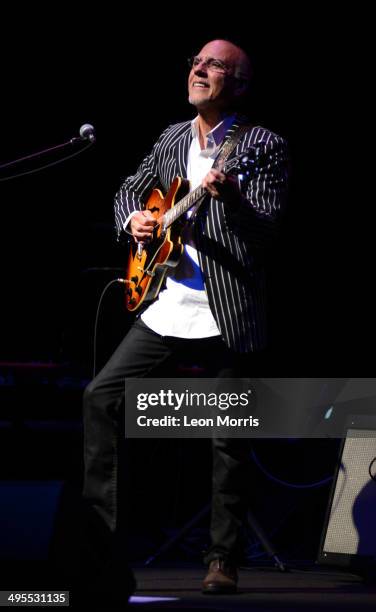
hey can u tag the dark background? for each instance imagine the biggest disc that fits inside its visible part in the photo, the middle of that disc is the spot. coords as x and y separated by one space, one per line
126 74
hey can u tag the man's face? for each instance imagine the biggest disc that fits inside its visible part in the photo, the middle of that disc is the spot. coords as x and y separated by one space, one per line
211 82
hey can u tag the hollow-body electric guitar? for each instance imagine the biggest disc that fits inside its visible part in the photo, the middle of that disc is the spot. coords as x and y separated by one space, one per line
149 263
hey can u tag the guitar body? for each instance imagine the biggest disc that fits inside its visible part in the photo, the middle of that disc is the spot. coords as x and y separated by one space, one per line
147 267
149 264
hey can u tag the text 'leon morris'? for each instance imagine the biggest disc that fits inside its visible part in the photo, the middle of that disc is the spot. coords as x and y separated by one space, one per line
221 421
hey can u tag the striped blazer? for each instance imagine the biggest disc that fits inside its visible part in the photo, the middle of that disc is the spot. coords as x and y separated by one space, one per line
230 241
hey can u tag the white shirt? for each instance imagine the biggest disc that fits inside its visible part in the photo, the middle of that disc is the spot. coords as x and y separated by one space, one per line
182 308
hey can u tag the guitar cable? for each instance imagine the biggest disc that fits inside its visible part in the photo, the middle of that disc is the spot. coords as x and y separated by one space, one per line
112 282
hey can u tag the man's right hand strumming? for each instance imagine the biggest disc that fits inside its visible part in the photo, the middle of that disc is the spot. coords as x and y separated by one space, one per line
142 225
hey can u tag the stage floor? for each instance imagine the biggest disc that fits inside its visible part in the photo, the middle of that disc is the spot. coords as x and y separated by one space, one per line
178 587
260 588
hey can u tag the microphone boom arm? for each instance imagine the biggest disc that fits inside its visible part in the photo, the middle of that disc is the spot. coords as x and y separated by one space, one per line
87 133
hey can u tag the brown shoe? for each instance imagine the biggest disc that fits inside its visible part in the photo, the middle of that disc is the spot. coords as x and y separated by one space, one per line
221 578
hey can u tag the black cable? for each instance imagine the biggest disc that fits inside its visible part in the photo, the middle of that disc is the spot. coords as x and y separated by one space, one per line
8 178
114 280
373 476
292 485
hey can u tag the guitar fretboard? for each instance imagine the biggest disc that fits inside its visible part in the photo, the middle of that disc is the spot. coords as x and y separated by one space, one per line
191 198
185 204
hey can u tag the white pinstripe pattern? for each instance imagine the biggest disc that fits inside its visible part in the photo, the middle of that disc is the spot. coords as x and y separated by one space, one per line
228 242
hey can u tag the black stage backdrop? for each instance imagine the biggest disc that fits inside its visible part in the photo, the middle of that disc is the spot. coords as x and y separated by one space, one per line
125 72
127 76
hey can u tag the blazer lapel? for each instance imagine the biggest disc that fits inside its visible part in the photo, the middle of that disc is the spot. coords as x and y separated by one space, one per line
184 142
181 152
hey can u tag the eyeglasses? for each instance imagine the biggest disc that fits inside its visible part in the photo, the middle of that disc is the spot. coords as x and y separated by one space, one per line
215 65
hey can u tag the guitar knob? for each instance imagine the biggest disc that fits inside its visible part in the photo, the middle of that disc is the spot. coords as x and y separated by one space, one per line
132 301
138 289
134 279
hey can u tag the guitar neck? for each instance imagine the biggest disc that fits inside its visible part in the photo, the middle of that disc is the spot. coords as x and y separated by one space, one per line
194 196
185 204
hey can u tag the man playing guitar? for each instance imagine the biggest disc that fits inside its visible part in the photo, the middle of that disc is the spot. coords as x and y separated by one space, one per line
213 300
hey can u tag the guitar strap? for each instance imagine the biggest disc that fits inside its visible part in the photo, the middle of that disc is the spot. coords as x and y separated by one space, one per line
229 145
224 153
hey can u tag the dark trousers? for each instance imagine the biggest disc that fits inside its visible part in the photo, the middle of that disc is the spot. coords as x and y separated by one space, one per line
141 351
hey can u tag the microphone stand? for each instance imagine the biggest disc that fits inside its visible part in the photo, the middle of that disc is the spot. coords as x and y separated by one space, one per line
49 150
72 141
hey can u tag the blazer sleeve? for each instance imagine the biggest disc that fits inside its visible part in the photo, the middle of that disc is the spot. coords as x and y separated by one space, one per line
135 189
254 217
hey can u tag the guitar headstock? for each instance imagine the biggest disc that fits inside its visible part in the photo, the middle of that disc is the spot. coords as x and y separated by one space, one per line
242 164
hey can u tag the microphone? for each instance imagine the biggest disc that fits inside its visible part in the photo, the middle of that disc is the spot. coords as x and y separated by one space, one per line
87 132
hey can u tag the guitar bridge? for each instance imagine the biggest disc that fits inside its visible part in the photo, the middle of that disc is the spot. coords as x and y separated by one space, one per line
164 227
148 273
